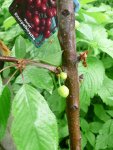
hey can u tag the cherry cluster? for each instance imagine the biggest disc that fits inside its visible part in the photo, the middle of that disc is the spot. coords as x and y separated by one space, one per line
39 14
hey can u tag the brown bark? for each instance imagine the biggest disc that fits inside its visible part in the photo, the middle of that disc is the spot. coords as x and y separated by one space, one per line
66 35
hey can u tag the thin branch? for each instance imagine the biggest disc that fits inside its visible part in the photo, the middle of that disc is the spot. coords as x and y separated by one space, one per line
66 35
29 62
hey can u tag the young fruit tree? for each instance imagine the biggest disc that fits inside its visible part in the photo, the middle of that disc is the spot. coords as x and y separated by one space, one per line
28 103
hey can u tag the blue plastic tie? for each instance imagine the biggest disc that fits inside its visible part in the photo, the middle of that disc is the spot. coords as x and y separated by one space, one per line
77 5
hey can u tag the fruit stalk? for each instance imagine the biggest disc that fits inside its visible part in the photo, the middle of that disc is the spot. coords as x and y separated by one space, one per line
66 35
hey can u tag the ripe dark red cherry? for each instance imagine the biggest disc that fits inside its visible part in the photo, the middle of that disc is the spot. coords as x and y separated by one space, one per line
43 21
28 14
42 28
47 34
35 34
30 2
44 1
36 12
38 3
54 11
36 20
48 22
49 12
37 29
43 7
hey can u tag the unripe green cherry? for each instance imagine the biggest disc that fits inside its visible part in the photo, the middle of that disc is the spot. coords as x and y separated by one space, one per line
63 91
63 75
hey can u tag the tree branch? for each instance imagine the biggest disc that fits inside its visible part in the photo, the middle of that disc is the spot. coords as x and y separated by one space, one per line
66 35
23 62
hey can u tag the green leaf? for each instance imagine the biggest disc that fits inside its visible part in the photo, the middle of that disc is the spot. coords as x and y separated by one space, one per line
50 52
20 47
93 76
63 128
104 139
86 1
110 112
9 22
83 141
91 138
34 125
101 113
39 77
97 42
108 62
5 105
99 17
11 34
95 126
106 91
56 103
84 125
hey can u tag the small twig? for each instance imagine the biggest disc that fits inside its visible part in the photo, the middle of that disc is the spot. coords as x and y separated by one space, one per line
6 68
12 76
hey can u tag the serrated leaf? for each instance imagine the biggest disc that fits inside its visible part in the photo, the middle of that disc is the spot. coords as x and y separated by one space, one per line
20 47
34 125
63 128
56 103
86 1
10 34
83 141
100 112
9 22
97 42
39 77
93 76
91 138
103 140
50 52
95 126
108 62
84 125
5 105
106 91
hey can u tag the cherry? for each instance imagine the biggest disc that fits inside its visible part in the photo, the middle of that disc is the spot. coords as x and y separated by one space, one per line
30 2
63 75
34 34
44 1
36 20
54 11
37 29
63 91
42 28
43 7
47 33
28 14
43 21
38 3
49 12
48 22
36 12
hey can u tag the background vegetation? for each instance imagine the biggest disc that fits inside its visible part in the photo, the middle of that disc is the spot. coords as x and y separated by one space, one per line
39 119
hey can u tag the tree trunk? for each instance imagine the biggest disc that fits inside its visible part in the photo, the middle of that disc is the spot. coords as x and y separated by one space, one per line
66 35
